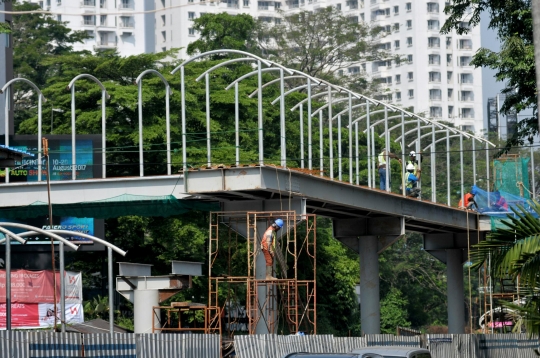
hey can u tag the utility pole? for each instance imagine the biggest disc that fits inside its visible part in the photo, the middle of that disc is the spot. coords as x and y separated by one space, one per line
536 39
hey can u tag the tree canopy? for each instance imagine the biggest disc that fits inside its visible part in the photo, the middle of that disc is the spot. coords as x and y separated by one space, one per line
514 64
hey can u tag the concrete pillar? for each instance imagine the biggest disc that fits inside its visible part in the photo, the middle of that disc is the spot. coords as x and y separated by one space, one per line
143 301
455 293
370 309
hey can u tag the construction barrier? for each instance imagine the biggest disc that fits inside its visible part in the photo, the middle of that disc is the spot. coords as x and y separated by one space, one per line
24 344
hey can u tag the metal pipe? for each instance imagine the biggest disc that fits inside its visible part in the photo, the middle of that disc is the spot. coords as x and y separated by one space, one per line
8 278
111 291
282 120
62 288
208 145
357 158
368 145
103 136
139 103
350 141
301 136
260 112
433 164
310 144
418 146
321 152
339 148
168 127
374 160
387 144
532 174
474 161
40 135
330 134
448 167
236 124
461 165
183 112
73 149
487 174
404 159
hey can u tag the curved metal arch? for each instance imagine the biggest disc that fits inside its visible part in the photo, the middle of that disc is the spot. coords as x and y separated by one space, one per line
425 135
10 233
249 74
104 96
334 101
414 130
382 121
316 95
356 106
168 92
41 231
272 82
191 59
41 99
224 63
441 139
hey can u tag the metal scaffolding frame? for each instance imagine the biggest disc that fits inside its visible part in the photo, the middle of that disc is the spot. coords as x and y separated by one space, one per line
287 303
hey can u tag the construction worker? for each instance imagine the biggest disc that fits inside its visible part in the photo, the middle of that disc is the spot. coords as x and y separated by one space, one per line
467 202
500 203
382 167
268 246
411 179
412 160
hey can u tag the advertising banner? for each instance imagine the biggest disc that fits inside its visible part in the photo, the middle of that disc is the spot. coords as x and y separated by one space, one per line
37 286
32 298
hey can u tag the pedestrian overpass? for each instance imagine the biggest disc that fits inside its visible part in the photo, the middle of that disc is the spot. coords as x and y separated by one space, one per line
318 172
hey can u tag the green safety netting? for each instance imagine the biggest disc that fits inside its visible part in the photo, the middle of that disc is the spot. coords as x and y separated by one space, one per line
511 175
122 205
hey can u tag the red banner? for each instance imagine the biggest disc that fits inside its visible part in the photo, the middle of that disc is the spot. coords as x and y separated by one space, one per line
37 287
39 315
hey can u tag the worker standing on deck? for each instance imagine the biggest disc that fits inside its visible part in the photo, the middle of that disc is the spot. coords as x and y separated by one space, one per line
382 167
412 160
268 246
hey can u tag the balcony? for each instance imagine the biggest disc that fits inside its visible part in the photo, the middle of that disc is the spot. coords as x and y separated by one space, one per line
126 5
88 3
102 45
88 23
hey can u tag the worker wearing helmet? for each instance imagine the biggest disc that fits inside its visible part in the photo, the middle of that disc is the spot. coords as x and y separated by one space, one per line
412 160
467 202
383 157
268 245
411 179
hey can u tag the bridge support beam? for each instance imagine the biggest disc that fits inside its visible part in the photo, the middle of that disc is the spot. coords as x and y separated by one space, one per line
369 237
452 249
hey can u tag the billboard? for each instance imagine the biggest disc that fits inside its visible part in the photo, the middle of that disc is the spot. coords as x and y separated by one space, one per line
32 298
88 165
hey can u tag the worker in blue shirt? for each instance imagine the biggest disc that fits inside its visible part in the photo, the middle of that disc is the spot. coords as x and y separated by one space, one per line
411 186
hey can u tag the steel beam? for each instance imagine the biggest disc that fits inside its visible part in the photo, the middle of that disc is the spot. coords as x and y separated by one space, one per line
438 244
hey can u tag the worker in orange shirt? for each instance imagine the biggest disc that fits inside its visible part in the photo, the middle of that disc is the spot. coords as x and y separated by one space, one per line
268 244
467 202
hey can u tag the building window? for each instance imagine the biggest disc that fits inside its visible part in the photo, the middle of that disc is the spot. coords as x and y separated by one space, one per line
450 111
398 96
467 96
398 79
246 3
277 20
450 93
277 5
89 20
465 61
435 94
449 60
449 76
191 15
465 44
89 3
125 4
396 44
408 6
434 59
340 73
59 18
353 70
353 4
191 31
434 42
433 25
58 2
102 3
90 34
410 76
409 58
435 77
411 93
396 10
163 20
409 24
409 41
448 43
467 113
466 78
435 112
338 6
396 27
190 1
432 7
163 36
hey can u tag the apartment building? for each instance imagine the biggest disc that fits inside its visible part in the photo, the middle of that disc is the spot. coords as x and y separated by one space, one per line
126 25
434 75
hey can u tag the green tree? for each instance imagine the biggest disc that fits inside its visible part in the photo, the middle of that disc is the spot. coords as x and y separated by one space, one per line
394 311
514 251
514 63
223 31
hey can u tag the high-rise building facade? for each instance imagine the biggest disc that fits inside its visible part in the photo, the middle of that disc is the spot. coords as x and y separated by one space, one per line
433 77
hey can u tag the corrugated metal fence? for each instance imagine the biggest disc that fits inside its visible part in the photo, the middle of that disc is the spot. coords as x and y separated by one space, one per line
21 344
